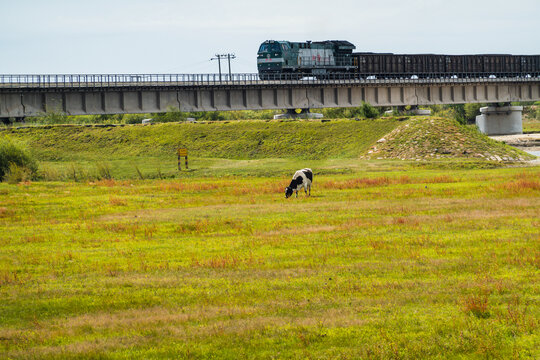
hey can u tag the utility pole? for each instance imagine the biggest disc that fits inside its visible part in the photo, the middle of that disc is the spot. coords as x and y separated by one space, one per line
219 57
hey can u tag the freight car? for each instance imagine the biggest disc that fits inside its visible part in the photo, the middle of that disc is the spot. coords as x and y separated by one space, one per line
433 65
284 59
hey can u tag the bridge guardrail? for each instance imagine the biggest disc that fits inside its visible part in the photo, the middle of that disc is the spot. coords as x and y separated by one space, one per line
121 80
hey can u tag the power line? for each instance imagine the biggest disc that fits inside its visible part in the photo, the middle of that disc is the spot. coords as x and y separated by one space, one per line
219 57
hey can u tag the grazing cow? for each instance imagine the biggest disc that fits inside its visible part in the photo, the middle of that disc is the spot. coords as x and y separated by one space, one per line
301 179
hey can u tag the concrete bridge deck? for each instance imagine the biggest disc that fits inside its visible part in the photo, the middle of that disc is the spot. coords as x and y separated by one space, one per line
32 95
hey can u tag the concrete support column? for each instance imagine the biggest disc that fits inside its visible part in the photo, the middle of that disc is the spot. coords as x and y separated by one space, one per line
500 120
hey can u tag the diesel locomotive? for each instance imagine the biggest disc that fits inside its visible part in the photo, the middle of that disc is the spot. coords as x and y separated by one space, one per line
286 59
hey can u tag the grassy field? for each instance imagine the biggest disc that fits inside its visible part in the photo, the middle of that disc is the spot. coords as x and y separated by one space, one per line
411 264
387 259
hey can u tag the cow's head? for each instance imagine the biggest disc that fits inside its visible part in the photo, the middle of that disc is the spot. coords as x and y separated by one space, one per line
288 191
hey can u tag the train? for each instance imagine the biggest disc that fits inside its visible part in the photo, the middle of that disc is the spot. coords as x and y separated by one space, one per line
320 59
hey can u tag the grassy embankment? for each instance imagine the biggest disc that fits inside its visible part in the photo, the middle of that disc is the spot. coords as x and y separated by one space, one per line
214 148
246 147
422 263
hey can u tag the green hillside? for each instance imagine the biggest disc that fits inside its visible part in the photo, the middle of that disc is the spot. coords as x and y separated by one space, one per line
228 140
259 148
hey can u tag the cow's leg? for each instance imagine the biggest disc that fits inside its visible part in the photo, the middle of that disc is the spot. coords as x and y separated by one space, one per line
296 191
309 190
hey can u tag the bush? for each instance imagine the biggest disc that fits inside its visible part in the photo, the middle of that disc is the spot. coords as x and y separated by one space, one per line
135 118
456 112
369 111
472 110
52 118
14 154
172 115
16 174
365 111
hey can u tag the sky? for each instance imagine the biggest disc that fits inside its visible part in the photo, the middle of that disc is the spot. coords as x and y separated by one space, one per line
181 36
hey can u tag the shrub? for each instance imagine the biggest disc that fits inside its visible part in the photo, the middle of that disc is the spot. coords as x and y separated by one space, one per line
172 115
472 110
52 118
369 111
134 118
16 174
364 111
14 154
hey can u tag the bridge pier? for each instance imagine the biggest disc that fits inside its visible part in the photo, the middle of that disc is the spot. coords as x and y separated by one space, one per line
500 120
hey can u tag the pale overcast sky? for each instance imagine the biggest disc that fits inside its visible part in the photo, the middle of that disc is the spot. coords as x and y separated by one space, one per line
180 36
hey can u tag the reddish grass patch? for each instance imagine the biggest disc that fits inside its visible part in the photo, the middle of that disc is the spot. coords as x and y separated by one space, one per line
521 185
406 221
115 201
9 278
5 212
365 182
440 179
355 183
478 305
177 186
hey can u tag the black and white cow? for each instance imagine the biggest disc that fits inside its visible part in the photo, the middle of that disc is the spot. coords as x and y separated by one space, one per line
301 179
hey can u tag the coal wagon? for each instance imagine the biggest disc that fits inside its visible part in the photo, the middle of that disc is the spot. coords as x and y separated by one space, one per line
434 65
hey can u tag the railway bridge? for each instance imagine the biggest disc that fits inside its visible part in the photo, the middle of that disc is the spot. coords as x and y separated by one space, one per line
33 95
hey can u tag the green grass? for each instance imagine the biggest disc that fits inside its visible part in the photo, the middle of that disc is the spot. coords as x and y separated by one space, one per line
531 126
388 259
254 148
376 264
442 138
67 150
231 140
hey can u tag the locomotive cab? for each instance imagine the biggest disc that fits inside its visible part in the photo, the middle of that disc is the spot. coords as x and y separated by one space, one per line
292 60
270 58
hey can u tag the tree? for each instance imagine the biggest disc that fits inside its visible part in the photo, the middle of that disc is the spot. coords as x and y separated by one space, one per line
15 156
471 110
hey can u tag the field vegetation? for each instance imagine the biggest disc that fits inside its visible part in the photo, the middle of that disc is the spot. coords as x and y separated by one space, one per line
463 113
531 119
75 152
415 264
114 253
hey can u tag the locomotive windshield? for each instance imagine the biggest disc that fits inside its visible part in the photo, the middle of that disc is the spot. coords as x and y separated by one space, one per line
271 47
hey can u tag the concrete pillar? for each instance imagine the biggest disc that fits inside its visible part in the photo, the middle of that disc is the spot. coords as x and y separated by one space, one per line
500 120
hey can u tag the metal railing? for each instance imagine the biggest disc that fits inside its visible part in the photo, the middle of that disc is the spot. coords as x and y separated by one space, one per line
133 80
